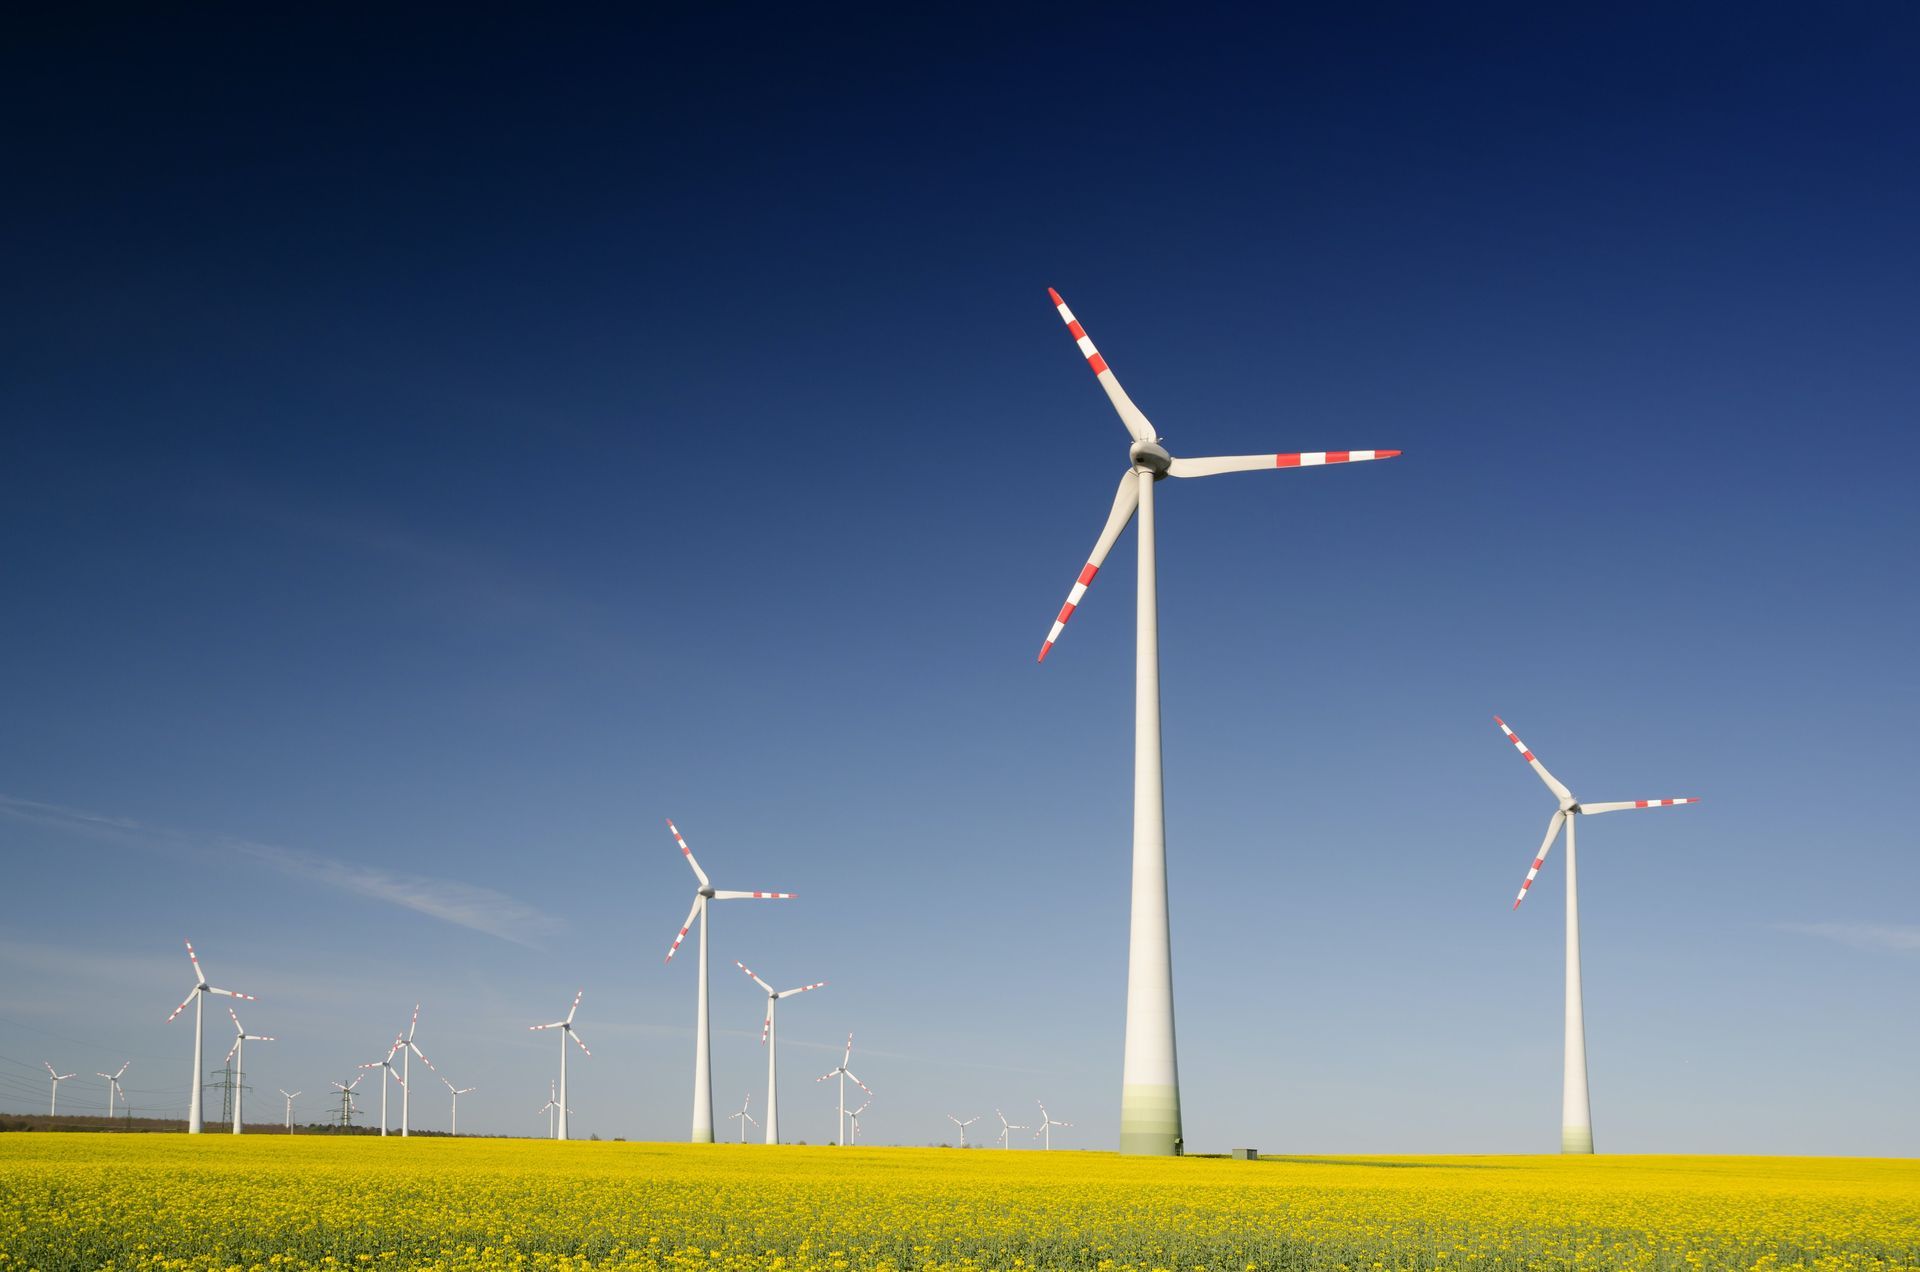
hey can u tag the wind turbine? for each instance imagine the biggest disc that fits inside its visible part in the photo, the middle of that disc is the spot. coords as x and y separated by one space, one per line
853 1120
457 1093
388 1071
843 1073
198 997
1007 1129
771 1039
550 1107
289 1095
566 1031
238 1054
963 1126
346 1098
408 1050
1576 1115
113 1086
1150 1079
1046 1125
53 1106
702 1032
744 1117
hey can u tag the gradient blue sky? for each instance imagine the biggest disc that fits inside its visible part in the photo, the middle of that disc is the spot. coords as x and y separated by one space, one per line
437 450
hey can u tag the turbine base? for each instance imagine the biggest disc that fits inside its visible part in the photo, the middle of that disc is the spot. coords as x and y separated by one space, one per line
1576 1139
1150 1121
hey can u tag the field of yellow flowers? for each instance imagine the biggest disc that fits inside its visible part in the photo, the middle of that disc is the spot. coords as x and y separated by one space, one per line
275 1202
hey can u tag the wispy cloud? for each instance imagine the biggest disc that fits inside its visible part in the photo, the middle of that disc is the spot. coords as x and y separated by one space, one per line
465 904
1903 938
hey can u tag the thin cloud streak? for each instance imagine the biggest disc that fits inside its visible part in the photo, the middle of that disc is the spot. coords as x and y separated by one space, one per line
1897 937
463 904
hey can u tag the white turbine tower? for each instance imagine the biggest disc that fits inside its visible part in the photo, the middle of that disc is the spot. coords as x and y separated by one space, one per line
1046 1125
238 1054
289 1095
387 1071
1150 1080
963 1126
771 1038
551 1107
1576 1115
457 1093
702 1032
198 997
843 1073
1007 1129
853 1121
566 1031
744 1117
53 1105
113 1085
408 1050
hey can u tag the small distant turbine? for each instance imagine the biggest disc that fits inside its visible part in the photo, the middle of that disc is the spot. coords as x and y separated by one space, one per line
1007 1129
1046 1125
963 1126
289 1095
566 1031
53 1105
238 1054
408 1050
388 1071
771 1039
703 1032
744 1117
113 1086
551 1107
198 996
843 1073
853 1120
457 1093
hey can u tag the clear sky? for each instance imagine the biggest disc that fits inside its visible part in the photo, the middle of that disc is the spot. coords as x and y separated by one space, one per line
436 451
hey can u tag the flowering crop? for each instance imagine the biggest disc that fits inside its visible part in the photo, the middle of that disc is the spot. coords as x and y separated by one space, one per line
288 1202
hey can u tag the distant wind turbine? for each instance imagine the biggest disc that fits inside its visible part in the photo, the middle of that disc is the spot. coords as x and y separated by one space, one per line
387 1071
853 1121
53 1106
1046 1126
1007 1129
1150 1080
113 1086
345 1089
566 1031
289 1095
197 996
772 1041
843 1073
238 1054
1576 1115
744 1117
457 1093
702 1032
963 1126
408 1050
551 1107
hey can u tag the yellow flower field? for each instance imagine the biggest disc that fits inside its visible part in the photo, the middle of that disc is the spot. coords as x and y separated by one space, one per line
274 1202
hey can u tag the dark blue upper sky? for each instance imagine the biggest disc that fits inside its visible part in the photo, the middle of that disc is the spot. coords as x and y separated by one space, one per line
438 448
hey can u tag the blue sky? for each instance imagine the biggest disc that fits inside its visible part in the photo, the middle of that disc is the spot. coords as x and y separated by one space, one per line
438 451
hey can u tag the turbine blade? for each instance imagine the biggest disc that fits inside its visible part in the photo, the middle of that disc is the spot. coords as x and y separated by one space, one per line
684 929
1125 501
857 1082
687 852
1215 464
199 977
576 1037
749 971
235 1047
789 993
414 1023
754 896
184 1003
423 1056
576 1005
829 1074
1635 803
1553 783
1130 415
847 1058
232 993
1546 846
555 1025
766 1026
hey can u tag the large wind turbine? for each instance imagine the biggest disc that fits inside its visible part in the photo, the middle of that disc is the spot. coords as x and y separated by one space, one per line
566 1031
408 1050
1150 1079
53 1105
198 997
702 1032
1576 1115
1047 1124
113 1086
1008 1128
457 1093
963 1126
238 1054
386 1071
843 1073
772 1041
744 1117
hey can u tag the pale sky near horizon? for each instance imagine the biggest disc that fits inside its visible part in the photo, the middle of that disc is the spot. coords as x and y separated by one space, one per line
439 452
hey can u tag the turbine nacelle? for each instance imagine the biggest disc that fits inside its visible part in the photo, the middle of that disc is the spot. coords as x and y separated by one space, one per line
1151 456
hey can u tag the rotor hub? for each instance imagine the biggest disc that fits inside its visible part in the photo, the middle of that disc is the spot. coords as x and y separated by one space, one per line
1151 456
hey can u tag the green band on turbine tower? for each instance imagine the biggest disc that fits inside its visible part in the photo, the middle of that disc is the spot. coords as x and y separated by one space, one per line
1150 1120
1576 1139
